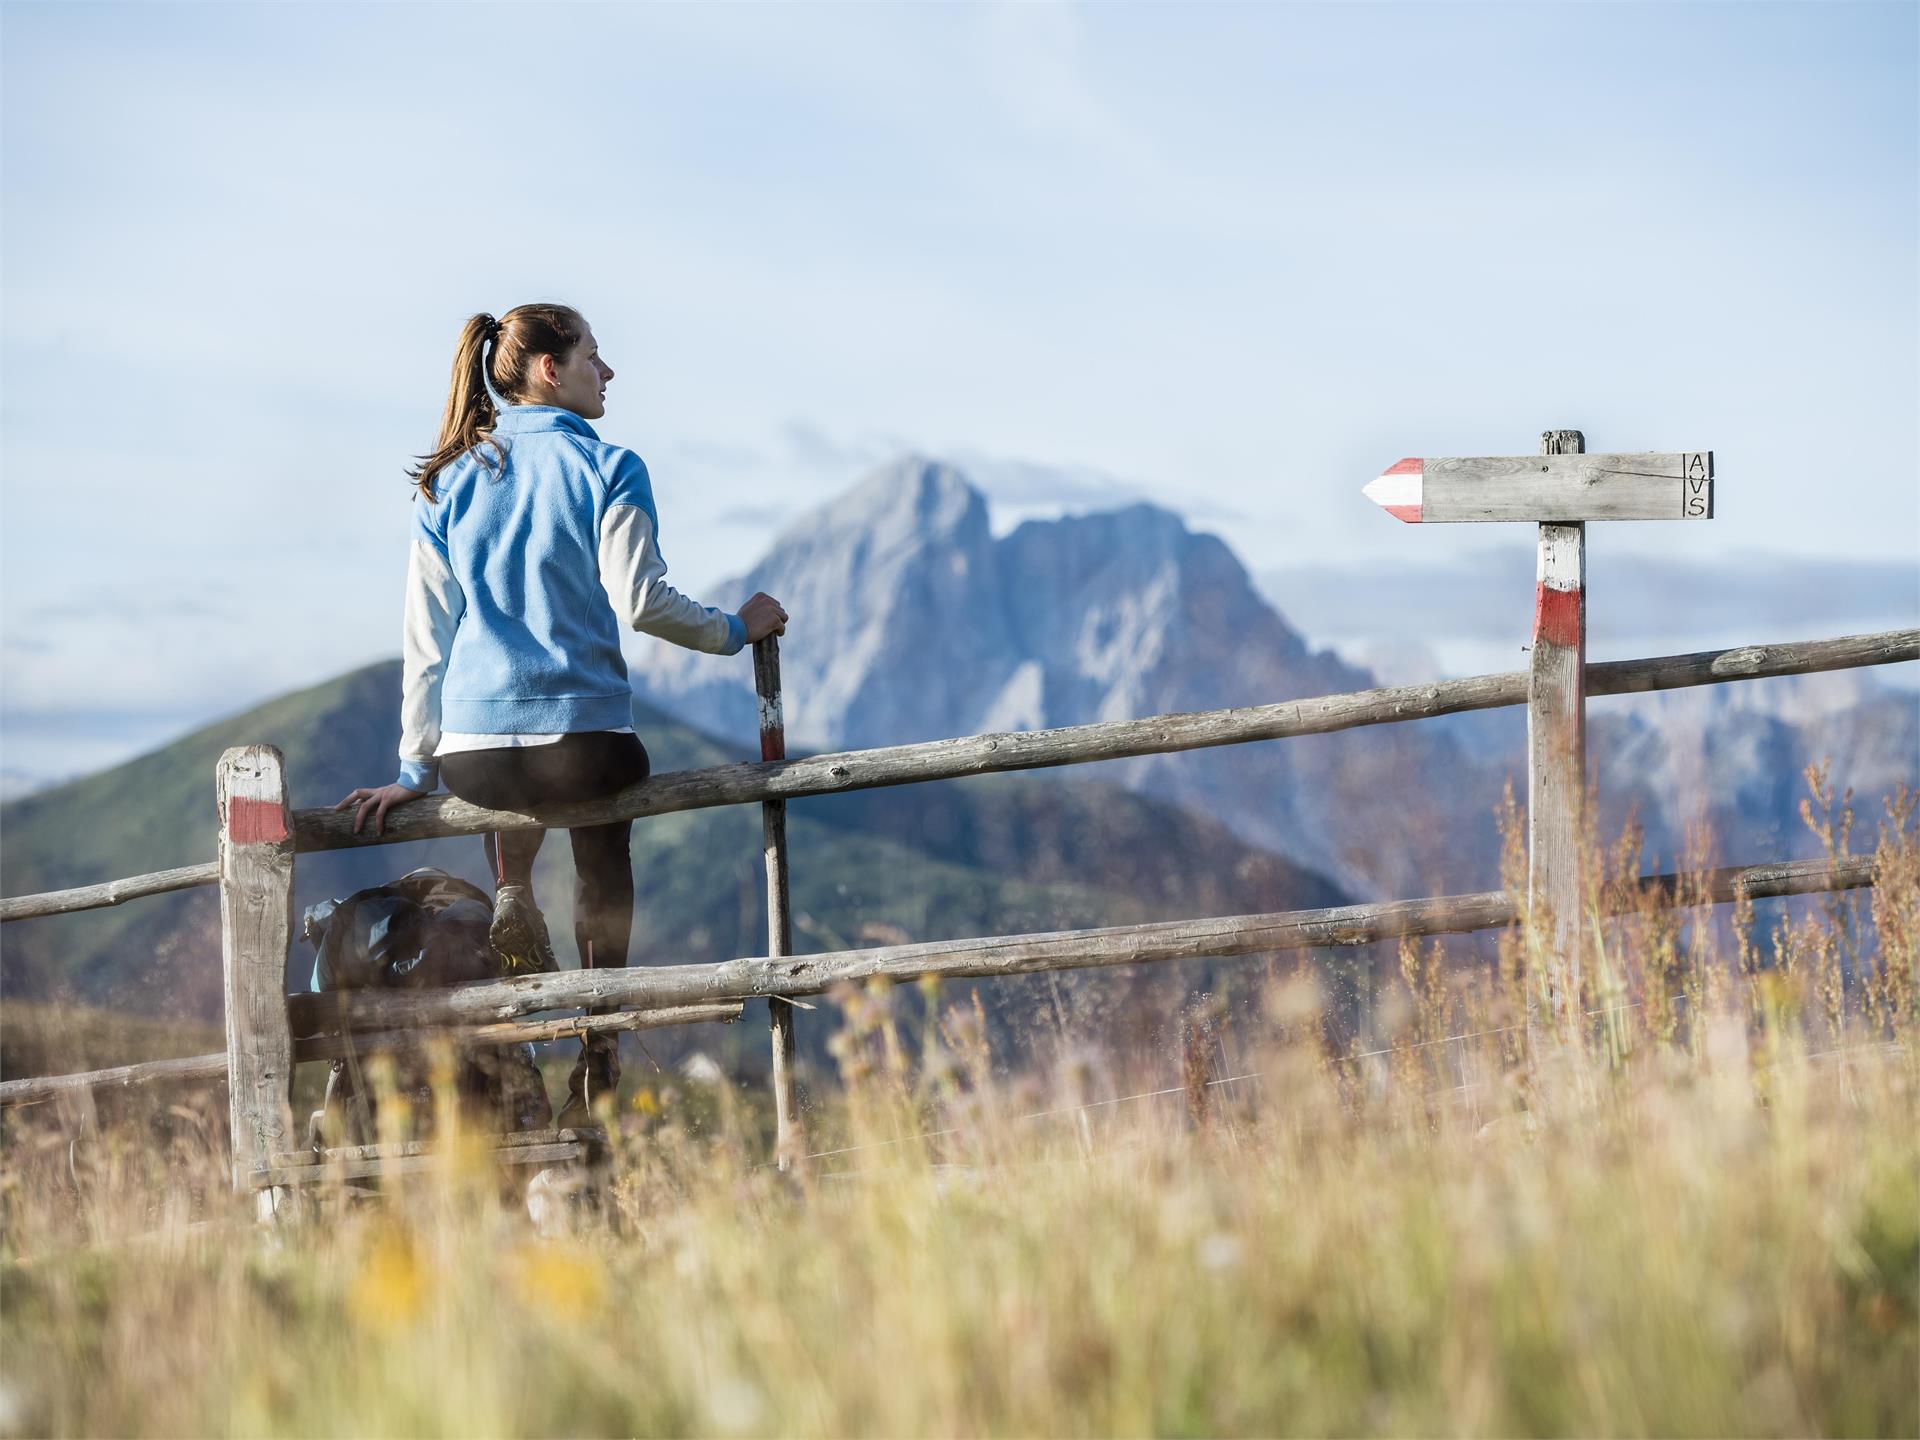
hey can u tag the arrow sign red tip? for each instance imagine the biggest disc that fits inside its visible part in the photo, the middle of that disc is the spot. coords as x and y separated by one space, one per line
1397 490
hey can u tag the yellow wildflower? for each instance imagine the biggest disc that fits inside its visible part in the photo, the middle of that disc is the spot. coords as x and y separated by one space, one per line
390 1286
560 1280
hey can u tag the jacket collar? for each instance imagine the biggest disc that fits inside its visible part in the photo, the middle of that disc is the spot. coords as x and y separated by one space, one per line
520 419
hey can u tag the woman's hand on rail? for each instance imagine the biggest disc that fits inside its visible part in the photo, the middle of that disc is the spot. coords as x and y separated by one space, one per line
379 801
763 616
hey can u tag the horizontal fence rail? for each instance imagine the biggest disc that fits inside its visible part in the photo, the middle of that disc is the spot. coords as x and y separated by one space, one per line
749 782
1000 955
336 1046
111 892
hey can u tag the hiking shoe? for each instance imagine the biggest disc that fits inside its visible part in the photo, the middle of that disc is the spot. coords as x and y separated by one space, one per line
519 1087
594 1084
519 932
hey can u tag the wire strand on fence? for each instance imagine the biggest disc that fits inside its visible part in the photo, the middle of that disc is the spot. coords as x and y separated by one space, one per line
1260 1075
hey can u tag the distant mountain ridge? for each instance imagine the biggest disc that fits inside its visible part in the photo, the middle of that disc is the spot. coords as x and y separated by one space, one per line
1730 759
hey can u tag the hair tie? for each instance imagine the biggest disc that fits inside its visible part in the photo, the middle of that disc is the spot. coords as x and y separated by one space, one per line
491 327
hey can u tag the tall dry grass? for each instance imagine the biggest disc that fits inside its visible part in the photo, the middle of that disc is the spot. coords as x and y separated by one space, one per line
1687 1202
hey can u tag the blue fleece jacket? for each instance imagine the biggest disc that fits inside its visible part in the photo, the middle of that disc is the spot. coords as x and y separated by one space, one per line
518 578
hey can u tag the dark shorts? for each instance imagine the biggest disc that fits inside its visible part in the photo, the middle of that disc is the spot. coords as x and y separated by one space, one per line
585 766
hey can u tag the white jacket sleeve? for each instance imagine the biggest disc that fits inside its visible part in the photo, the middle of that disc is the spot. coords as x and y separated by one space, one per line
435 603
634 574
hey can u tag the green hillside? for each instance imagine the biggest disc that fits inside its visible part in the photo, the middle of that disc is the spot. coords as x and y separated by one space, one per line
994 854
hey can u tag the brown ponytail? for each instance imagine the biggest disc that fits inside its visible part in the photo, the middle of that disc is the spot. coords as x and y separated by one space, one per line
497 352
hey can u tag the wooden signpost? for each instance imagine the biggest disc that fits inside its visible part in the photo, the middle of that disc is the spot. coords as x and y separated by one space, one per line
1560 489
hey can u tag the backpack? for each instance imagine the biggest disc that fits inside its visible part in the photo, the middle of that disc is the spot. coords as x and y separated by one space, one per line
426 929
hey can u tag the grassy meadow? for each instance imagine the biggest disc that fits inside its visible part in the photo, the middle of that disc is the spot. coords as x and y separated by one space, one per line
1687 1204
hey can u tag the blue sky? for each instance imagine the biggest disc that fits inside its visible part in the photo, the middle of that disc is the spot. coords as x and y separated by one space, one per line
1235 259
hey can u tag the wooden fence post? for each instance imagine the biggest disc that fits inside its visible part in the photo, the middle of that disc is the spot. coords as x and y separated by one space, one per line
1199 1033
256 927
773 816
1557 749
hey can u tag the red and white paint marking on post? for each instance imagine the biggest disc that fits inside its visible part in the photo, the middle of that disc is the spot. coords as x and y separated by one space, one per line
773 724
255 820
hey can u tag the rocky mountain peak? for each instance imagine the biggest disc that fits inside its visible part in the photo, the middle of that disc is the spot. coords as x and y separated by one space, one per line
907 504
1141 523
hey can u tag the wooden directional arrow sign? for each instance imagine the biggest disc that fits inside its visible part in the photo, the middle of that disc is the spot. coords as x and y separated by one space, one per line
1554 488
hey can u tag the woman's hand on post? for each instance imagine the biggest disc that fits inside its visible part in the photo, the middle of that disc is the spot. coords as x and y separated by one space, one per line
378 800
763 616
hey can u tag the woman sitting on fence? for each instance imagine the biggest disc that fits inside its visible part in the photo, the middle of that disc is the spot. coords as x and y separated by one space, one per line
527 524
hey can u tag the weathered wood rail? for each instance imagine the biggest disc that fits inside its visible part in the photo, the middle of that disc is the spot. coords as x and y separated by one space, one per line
829 774
331 1043
995 956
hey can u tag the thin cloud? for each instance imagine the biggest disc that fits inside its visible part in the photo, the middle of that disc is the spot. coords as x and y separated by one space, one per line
1037 68
1027 485
753 517
812 447
126 607
721 454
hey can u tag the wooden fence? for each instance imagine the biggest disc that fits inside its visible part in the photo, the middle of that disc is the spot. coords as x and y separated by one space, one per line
268 1030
